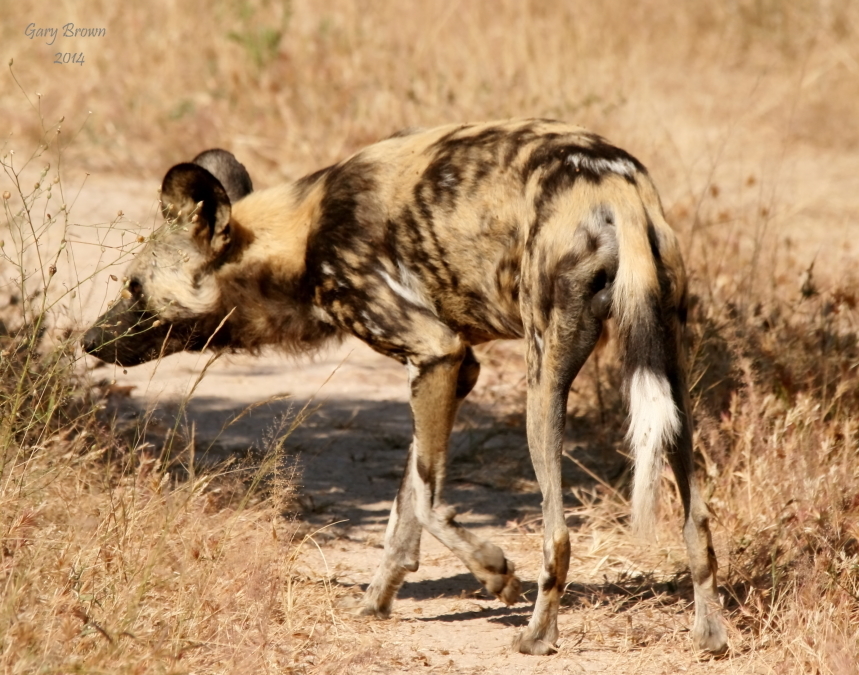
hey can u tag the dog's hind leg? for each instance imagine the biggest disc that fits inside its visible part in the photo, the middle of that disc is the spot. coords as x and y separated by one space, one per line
558 344
709 630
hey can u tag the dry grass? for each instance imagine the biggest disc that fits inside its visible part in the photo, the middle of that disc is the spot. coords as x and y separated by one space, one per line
785 444
745 112
292 85
110 562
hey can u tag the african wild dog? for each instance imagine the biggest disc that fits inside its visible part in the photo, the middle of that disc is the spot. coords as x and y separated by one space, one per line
423 245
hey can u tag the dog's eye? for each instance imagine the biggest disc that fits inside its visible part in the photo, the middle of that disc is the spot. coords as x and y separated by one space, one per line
135 288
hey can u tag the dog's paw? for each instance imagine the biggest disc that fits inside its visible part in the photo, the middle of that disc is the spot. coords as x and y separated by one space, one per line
527 642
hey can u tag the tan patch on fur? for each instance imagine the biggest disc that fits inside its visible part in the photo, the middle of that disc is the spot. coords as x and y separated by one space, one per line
280 225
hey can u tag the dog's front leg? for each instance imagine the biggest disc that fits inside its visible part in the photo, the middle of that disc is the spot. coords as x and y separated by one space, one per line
402 549
439 383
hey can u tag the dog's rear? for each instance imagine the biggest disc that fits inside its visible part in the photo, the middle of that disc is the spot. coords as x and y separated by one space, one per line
622 260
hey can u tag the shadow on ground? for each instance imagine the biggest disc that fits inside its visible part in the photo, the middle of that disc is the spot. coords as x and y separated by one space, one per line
622 595
352 453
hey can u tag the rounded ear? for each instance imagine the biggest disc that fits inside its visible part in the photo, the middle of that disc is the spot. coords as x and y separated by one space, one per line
192 196
231 173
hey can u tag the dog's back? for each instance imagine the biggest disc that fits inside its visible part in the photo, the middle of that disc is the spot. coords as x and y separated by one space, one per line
445 218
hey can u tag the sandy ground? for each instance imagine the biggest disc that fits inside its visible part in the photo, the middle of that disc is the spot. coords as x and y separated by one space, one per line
351 452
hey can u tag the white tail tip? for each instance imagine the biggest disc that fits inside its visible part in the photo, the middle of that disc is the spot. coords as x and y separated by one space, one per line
654 424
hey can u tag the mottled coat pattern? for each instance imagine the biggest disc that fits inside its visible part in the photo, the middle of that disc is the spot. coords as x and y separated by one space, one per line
423 245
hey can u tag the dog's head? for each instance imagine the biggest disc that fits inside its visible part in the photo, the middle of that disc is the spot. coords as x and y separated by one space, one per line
170 301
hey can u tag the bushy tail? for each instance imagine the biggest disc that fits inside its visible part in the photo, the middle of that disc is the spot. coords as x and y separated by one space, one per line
646 298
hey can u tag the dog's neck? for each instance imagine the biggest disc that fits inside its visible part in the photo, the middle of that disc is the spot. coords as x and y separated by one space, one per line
261 276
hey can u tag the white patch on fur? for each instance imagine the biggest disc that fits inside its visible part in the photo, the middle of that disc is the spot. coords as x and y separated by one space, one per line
422 492
327 269
321 314
371 325
654 424
599 165
392 525
448 180
539 340
408 288
412 370
172 296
